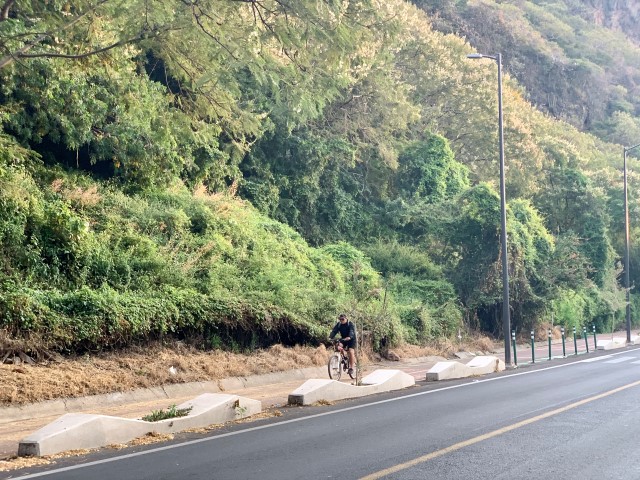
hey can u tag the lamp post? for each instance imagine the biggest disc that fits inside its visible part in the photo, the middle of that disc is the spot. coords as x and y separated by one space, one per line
626 242
506 320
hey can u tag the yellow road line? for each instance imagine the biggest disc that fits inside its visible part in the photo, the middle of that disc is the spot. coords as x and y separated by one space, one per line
486 436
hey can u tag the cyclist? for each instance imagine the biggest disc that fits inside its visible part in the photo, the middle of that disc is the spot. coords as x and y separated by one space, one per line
347 338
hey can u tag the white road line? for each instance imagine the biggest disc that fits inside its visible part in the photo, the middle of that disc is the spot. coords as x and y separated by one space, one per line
596 359
300 419
620 359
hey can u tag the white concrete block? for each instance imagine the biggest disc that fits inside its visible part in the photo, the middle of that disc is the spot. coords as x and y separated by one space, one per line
448 370
80 431
316 390
486 364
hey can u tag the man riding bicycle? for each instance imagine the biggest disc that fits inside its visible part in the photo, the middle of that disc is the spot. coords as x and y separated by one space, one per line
347 338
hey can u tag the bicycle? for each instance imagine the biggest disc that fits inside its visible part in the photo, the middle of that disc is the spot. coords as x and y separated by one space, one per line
338 362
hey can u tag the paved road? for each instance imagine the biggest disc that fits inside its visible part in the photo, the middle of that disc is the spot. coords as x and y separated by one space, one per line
574 418
272 390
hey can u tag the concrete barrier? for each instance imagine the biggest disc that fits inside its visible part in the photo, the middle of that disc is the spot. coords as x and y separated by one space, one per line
615 342
447 370
484 364
316 390
480 365
80 431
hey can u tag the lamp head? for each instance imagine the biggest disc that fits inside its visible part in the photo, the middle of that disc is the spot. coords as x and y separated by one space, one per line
475 55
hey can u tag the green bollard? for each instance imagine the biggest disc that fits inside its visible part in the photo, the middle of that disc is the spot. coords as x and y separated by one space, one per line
586 339
595 340
575 342
549 335
533 348
513 340
564 351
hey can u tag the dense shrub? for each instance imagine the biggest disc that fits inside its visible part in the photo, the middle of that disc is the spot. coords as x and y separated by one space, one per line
88 267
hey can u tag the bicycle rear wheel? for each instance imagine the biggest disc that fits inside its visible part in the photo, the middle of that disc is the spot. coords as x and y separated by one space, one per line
334 367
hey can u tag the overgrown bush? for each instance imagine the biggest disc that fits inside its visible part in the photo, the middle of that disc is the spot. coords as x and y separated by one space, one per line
87 267
424 300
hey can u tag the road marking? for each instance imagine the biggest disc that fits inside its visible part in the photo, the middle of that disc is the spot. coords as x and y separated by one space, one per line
620 359
301 419
495 433
596 359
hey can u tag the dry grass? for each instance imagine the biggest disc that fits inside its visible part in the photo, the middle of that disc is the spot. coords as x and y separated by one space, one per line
15 463
143 368
542 332
158 365
446 348
258 416
149 438
77 195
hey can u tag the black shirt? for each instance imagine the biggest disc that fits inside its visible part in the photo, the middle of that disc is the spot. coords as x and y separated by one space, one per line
346 330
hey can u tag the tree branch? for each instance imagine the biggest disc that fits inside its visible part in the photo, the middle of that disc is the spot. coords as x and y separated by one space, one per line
20 53
81 55
196 17
4 11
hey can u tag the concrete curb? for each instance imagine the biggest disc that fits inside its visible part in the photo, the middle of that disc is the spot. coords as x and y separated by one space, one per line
79 431
71 405
315 390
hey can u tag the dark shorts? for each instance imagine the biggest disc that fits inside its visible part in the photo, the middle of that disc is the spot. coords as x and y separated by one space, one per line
349 343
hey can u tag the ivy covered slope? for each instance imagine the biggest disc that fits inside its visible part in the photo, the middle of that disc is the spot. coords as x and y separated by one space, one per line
86 266
237 173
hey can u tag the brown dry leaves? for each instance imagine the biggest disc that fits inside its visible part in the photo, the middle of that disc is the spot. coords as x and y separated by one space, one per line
15 463
143 368
158 365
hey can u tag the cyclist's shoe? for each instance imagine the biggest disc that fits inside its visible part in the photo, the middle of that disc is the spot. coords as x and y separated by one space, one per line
350 371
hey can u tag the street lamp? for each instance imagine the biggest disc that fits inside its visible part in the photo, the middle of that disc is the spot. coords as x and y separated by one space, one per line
626 242
506 320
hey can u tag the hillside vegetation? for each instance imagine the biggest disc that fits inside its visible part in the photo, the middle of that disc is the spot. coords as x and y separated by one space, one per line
578 60
234 174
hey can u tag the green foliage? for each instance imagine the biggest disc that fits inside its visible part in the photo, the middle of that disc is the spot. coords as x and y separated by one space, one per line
474 240
350 126
425 300
392 257
428 170
573 206
110 120
588 307
172 412
570 308
359 274
575 59
91 268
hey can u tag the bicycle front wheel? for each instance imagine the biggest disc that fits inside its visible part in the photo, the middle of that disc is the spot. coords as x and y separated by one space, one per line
335 370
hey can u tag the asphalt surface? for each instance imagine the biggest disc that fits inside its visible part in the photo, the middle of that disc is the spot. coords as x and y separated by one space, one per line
272 390
572 418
